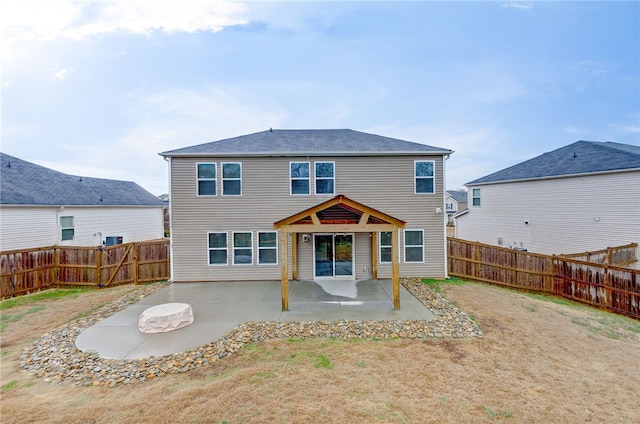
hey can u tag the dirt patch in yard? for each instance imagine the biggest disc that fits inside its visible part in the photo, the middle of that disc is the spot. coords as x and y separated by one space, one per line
538 361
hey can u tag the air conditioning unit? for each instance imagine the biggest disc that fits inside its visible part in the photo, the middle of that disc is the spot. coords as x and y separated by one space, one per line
112 240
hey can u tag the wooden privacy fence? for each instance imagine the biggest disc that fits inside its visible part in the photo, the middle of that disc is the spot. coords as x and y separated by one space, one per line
25 271
614 288
621 255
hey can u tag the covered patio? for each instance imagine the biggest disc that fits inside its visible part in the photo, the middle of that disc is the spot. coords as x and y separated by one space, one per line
338 215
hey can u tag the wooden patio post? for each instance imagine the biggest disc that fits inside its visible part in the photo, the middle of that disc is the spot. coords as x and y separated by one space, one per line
294 256
374 255
395 268
284 263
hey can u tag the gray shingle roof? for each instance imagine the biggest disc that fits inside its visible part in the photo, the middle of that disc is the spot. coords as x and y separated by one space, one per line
459 196
25 183
581 157
308 143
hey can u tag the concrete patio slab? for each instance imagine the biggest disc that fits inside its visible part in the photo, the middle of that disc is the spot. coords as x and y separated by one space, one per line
220 307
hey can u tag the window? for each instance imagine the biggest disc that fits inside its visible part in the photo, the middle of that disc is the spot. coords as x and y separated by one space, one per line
217 248
267 247
206 179
449 206
231 179
475 197
242 248
325 177
66 227
425 176
385 247
299 174
413 246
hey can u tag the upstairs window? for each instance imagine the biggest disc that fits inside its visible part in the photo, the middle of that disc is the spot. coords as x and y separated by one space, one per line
267 248
325 177
414 246
449 206
299 175
385 247
206 174
66 228
217 248
231 179
242 248
475 197
425 176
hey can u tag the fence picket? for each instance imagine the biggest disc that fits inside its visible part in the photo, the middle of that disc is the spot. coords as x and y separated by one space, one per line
26 271
605 286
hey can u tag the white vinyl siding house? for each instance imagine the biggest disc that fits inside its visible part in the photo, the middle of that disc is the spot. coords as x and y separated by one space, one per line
277 186
556 214
73 211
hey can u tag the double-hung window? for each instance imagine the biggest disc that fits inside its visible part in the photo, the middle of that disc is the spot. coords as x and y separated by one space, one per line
243 248
217 248
232 179
414 246
66 228
325 177
267 248
385 247
475 197
425 176
206 174
299 175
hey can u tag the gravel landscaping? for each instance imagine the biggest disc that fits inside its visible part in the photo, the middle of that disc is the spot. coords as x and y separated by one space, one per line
55 358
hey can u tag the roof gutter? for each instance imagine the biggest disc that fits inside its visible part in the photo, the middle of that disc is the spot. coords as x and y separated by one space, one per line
553 177
445 153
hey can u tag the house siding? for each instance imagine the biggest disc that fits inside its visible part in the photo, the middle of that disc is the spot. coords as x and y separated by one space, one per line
382 183
29 227
24 228
566 215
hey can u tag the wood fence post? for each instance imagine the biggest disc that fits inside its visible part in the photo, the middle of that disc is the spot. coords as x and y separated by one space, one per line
99 267
56 265
136 262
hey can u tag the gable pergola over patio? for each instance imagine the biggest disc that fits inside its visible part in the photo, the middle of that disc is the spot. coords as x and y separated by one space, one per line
339 215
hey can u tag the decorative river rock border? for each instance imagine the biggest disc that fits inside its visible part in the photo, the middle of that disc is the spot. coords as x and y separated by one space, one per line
55 358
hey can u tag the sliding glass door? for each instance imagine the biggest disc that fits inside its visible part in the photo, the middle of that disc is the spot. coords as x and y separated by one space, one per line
333 255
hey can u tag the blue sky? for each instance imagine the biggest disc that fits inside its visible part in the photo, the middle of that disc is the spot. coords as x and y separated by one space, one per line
99 88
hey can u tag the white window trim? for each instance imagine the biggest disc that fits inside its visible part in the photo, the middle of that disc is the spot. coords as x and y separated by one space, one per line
234 248
276 248
206 179
415 177
209 249
380 246
291 193
73 227
223 179
473 197
316 178
404 250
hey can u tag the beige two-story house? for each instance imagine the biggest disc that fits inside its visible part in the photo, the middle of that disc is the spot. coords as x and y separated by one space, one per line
306 205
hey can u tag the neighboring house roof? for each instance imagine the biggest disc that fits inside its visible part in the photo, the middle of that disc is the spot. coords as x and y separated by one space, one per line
308 143
25 183
459 196
581 157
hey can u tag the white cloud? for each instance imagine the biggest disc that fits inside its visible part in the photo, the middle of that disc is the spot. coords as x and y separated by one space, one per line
518 5
62 73
24 22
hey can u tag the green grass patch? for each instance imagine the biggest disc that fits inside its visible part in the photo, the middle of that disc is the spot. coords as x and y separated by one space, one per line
7 318
436 285
493 413
41 296
323 362
9 386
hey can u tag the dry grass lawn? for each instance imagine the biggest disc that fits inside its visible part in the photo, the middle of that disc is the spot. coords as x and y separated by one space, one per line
539 361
